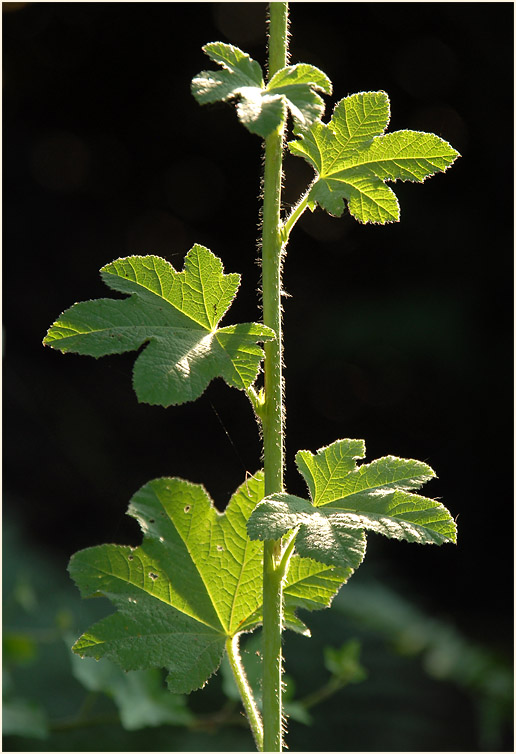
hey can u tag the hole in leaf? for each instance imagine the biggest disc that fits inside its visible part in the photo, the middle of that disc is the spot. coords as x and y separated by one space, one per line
220 548
153 576
130 557
187 508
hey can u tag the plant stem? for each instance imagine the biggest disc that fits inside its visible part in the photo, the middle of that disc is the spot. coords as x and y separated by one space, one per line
294 216
271 275
273 414
286 554
334 684
245 691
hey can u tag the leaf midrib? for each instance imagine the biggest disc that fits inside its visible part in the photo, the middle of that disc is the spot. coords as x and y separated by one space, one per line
149 634
201 281
154 596
118 328
237 588
394 517
333 473
425 528
395 159
213 522
166 301
387 486
335 131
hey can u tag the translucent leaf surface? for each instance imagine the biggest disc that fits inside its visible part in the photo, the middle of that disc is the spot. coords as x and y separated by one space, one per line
261 108
346 499
195 581
176 314
353 158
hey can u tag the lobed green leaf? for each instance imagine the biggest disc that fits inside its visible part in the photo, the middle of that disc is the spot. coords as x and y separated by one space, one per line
261 109
346 500
243 68
352 157
176 316
324 472
332 473
195 581
317 538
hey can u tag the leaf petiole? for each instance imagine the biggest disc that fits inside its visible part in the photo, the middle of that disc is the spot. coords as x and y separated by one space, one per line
294 216
287 553
244 689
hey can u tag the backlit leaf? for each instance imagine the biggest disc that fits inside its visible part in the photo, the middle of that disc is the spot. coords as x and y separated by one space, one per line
261 108
353 158
346 499
195 581
176 314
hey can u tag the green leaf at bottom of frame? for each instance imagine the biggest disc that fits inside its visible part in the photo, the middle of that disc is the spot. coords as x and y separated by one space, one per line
195 581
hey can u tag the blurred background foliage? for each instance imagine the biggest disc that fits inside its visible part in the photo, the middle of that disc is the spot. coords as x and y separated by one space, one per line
378 674
400 334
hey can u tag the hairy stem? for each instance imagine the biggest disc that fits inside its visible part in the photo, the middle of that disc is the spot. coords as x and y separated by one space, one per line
245 690
272 412
271 274
294 216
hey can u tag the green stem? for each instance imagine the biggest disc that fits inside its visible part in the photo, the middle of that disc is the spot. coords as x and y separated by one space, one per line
288 548
294 216
330 688
245 690
272 411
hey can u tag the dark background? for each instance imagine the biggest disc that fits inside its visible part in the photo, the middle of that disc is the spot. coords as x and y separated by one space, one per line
401 335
